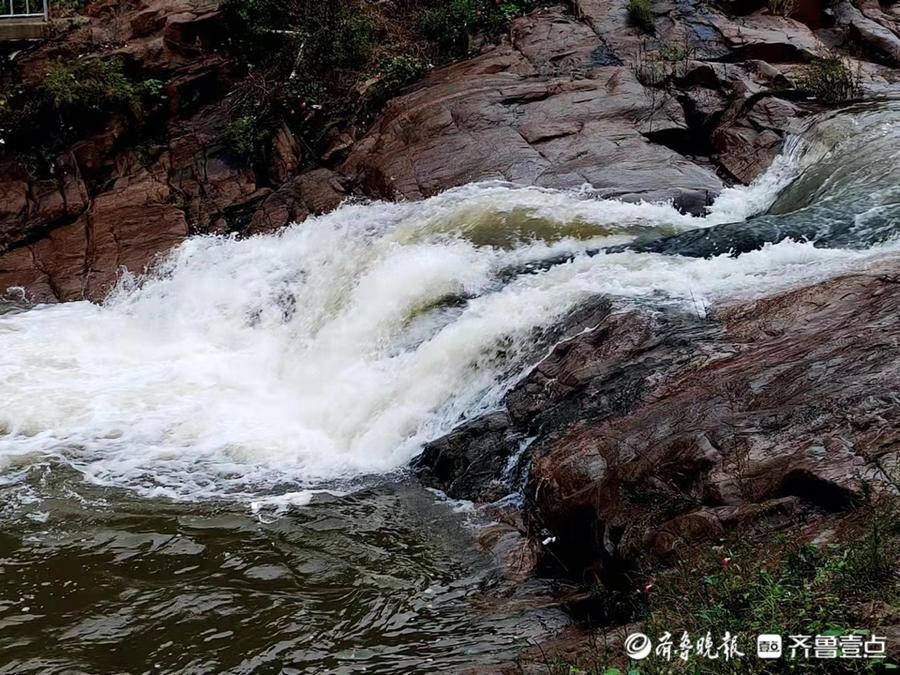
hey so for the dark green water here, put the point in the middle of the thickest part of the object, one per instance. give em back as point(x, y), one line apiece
point(387, 580)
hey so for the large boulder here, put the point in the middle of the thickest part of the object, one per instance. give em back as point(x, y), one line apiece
point(545, 110)
point(767, 37)
point(879, 37)
point(471, 462)
point(658, 431)
point(126, 228)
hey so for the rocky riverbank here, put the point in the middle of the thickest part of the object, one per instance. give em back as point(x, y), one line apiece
point(650, 432)
point(651, 435)
point(571, 96)
point(652, 442)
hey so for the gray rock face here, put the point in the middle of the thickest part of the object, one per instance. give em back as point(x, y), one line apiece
point(478, 461)
point(470, 462)
point(880, 39)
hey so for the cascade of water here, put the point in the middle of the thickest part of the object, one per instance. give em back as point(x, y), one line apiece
point(338, 347)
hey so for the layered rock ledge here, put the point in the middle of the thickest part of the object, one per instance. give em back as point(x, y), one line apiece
point(570, 98)
point(657, 431)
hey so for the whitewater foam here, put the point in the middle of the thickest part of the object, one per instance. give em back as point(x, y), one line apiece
point(335, 349)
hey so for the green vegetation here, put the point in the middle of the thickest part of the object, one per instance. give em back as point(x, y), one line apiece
point(303, 36)
point(322, 64)
point(397, 72)
point(451, 25)
point(792, 589)
point(64, 8)
point(300, 53)
point(96, 85)
point(246, 137)
point(311, 65)
point(640, 15)
point(768, 586)
point(72, 98)
point(831, 79)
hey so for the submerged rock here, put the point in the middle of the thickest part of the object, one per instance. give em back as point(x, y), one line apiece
point(841, 195)
point(470, 462)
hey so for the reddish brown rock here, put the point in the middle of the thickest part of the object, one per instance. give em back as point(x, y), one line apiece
point(542, 125)
point(609, 21)
point(22, 278)
point(195, 29)
point(126, 228)
point(29, 207)
point(286, 156)
point(751, 133)
point(129, 228)
point(744, 151)
point(14, 208)
point(771, 407)
point(312, 193)
point(146, 22)
point(655, 432)
point(809, 12)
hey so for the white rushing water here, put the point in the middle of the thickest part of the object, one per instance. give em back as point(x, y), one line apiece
point(265, 366)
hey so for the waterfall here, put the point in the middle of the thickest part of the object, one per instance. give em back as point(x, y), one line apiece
point(334, 349)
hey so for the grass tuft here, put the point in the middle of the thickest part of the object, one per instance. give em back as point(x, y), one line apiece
point(831, 79)
point(640, 15)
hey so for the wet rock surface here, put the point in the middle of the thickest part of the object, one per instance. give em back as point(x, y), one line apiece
point(551, 115)
point(645, 431)
point(658, 431)
point(471, 462)
point(573, 96)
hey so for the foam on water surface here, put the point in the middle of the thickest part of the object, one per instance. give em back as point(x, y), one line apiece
point(335, 349)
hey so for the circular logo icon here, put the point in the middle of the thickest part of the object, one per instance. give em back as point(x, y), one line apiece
point(637, 646)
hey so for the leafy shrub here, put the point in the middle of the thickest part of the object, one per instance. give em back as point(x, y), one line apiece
point(357, 33)
point(831, 79)
point(152, 88)
point(397, 72)
point(640, 15)
point(311, 60)
point(306, 36)
point(783, 588)
point(91, 85)
point(451, 25)
point(73, 98)
point(245, 136)
point(302, 55)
